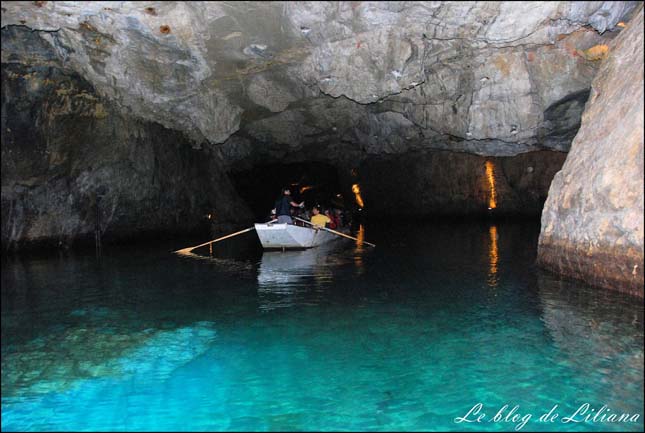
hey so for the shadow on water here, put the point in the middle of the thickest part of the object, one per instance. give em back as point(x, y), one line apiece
point(405, 336)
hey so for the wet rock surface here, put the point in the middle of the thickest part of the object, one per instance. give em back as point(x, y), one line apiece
point(592, 223)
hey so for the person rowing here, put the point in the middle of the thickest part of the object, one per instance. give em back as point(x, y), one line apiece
point(283, 207)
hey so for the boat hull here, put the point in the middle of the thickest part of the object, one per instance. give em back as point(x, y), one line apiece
point(291, 237)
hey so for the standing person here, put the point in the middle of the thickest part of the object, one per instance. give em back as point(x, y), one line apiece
point(283, 207)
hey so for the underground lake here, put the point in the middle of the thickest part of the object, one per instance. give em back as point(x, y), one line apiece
point(409, 335)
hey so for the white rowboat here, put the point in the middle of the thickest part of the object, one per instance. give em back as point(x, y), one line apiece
point(285, 236)
point(289, 236)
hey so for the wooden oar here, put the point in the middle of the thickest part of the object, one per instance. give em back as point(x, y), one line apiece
point(187, 250)
point(335, 232)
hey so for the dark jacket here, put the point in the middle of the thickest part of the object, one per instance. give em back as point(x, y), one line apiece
point(283, 206)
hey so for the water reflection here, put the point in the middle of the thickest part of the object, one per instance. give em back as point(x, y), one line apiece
point(283, 271)
point(358, 251)
point(597, 331)
point(493, 257)
point(285, 278)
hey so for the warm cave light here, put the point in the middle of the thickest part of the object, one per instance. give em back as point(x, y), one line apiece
point(306, 188)
point(356, 189)
point(490, 175)
point(492, 257)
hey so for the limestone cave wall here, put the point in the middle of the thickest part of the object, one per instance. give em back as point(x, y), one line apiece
point(592, 223)
point(72, 163)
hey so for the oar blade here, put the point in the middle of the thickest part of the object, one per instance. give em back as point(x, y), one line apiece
point(189, 249)
point(183, 251)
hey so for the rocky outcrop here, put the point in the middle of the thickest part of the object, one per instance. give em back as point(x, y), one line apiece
point(592, 223)
point(449, 183)
point(71, 163)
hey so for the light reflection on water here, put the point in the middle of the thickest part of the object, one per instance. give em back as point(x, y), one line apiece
point(405, 336)
point(286, 278)
point(493, 256)
point(359, 250)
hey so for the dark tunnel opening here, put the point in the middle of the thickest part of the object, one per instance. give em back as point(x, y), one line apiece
point(415, 186)
point(315, 183)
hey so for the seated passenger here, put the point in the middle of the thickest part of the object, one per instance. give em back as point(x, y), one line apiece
point(340, 220)
point(318, 218)
point(332, 219)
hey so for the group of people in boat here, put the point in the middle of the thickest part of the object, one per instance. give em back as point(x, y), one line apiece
point(286, 209)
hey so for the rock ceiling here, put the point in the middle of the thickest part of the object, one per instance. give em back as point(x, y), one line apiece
point(274, 78)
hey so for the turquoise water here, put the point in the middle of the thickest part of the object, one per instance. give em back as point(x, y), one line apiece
point(408, 336)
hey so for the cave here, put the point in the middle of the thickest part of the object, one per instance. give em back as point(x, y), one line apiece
point(452, 130)
point(464, 179)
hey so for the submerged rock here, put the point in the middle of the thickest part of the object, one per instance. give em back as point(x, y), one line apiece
point(592, 223)
point(100, 344)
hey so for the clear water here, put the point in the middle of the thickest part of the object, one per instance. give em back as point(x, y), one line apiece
point(408, 336)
